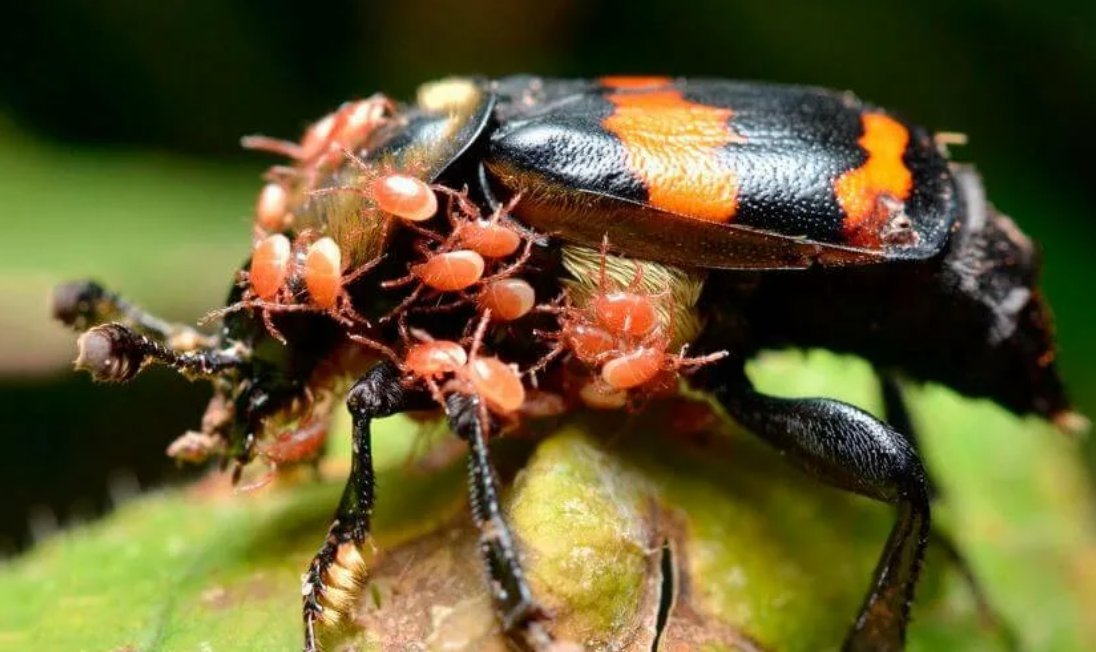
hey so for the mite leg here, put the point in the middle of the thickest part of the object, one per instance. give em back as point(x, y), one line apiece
point(846, 447)
point(84, 304)
point(329, 585)
point(518, 613)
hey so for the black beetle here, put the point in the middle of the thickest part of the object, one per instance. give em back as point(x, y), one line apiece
point(730, 216)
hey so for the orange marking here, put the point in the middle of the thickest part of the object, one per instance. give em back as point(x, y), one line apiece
point(630, 82)
point(862, 193)
point(673, 145)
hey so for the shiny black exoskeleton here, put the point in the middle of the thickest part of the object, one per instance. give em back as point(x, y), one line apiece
point(813, 220)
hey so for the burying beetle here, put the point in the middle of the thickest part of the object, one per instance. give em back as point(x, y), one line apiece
point(580, 234)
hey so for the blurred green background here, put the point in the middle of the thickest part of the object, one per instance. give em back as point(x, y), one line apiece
point(119, 124)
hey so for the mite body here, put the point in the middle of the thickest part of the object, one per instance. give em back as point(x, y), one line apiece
point(656, 215)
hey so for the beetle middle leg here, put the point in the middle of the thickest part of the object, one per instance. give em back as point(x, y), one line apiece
point(518, 613)
point(846, 447)
point(329, 585)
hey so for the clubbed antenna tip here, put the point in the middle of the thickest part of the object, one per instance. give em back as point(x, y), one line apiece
point(73, 302)
point(108, 353)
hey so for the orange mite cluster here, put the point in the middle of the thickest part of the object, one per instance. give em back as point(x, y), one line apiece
point(470, 262)
point(309, 273)
point(466, 261)
point(446, 365)
point(302, 275)
point(620, 332)
point(322, 147)
point(320, 265)
point(620, 337)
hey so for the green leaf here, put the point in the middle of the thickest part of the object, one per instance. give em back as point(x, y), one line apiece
point(758, 552)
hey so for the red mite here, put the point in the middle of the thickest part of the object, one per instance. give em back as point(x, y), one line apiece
point(323, 273)
point(472, 258)
point(325, 141)
point(405, 197)
point(271, 266)
point(276, 268)
point(451, 271)
point(771, 216)
point(508, 299)
point(498, 384)
point(272, 208)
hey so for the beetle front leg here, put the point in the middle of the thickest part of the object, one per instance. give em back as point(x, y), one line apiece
point(518, 612)
point(846, 447)
point(330, 585)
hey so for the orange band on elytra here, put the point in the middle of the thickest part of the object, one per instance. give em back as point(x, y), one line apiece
point(884, 175)
point(673, 146)
point(634, 82)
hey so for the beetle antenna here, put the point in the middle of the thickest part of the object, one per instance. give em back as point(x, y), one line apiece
point(85, 304)
point(117, 353)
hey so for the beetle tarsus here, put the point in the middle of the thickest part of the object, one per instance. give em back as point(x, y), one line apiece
point(326, 594)
point(846, 447)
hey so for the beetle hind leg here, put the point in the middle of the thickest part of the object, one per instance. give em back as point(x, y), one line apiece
point(898, 416)
point(846, 447)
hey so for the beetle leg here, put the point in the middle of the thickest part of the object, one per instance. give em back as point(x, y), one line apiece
point(85, 304)
point(329, 585)
point(846, 447)
point(485, 189)
point(894, 406)
point(898, 416)
point(518, 612)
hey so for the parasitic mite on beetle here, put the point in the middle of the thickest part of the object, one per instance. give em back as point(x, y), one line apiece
point(589, 233)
